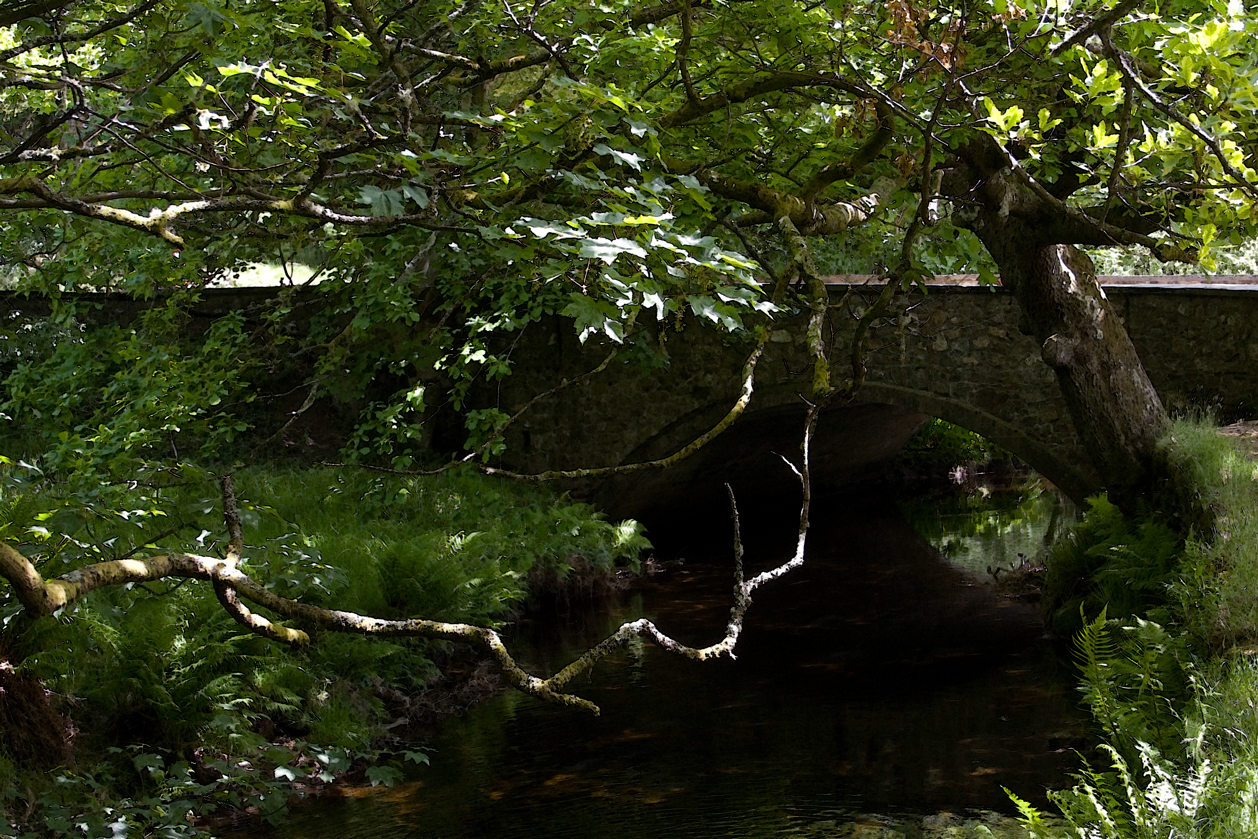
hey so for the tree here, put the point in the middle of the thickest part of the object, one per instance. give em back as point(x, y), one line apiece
point(498, 163)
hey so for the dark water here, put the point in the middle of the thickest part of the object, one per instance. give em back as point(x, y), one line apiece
point(879, 679)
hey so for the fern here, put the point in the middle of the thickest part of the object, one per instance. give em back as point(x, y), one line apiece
point(1095, 654)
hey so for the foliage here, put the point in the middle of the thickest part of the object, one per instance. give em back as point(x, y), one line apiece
point(457, 173)
point(444, 546)
point(453, 173)
point(1229, 258)
point(115, 402)
point(1134, 679)
point(162, 669)
point(1174, 699)
point(1221, 574)
point(940, 443)
point(1109, 564)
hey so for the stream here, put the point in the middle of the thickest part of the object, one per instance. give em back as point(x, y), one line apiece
point(886, 689)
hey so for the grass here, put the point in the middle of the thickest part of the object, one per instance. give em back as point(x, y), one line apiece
point(1167, 650)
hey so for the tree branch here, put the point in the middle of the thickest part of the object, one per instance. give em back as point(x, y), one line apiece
point(866, 154)
point(159, 221)
point(740, 405)
point(758, 85)
point(42, 598)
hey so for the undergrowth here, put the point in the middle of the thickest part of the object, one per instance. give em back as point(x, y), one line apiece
point(1166, 643)
point(180, 711)
point(940, 443)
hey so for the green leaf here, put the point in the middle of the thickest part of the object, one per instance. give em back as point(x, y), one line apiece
point(211, 21)
point(386, 775)
point(594, 317)
point(625, 158)
point(710, 309)
point(383, 202)
point(417, 194)
point(608, 249)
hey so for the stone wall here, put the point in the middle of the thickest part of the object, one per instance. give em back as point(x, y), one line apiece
point(958, 355)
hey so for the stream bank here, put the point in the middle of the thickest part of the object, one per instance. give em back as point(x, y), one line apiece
point(884, 692)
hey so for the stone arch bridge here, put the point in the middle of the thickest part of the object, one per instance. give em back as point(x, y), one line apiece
point(959, 356)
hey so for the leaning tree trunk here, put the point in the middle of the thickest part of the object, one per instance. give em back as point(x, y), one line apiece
point(1115, 408)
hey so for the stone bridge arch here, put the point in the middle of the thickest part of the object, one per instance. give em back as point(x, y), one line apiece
point(959, 355)
point(852, 444)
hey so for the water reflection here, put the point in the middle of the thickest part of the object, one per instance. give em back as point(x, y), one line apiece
point(880, 679)
point(994, 529)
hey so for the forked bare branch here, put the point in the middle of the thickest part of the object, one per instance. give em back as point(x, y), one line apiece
point(42, 598)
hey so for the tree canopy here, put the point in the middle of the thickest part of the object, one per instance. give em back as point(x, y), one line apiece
point(484, 165)
point(616, 162)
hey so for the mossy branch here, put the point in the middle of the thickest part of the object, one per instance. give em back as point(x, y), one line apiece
point(224, 591)
point(818, 301)
point(739, 406)
point(42, 598)
point(160, 221)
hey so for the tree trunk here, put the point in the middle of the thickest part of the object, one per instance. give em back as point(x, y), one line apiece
point(1113, 404)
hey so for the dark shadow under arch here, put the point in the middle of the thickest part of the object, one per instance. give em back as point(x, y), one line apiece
point(853, 445)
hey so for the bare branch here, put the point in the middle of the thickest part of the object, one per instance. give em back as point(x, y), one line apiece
point(159, 221)
point(743, 588)
point(15, 11)
point(683, 53)
point(42, 598)
point(812, 218)
point(406, 88)
point(1120, 151)
point(756, 86)
point(740, 405)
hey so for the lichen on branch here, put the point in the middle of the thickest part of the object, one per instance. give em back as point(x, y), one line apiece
point(43, 598)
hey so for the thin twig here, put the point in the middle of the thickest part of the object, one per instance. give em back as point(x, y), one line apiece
point(740, 405)
point(42, 598)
